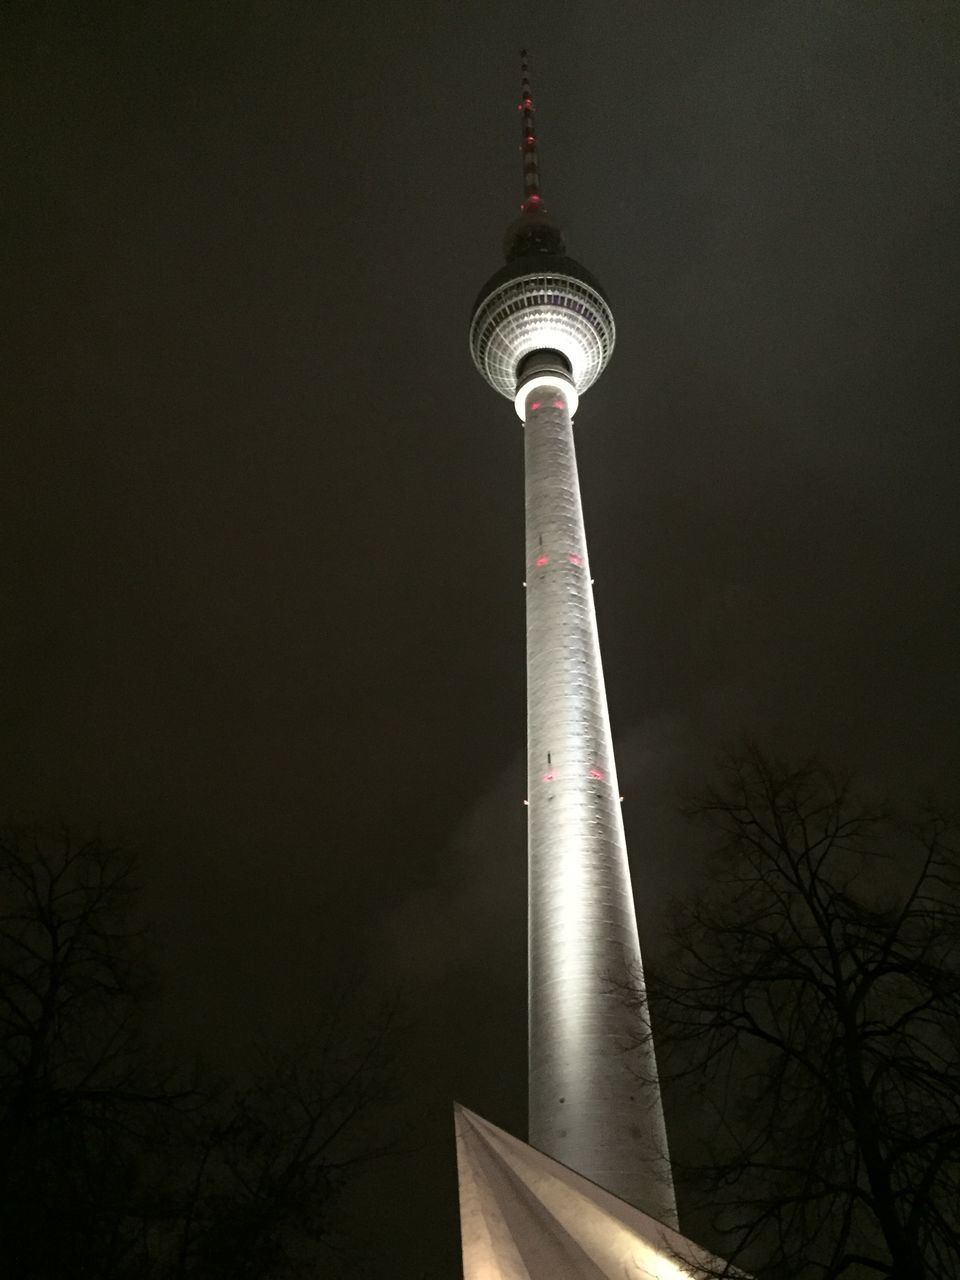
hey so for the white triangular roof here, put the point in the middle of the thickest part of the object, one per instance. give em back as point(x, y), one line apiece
point(524, 1216)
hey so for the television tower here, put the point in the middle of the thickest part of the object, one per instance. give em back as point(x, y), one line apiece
point(542, 333)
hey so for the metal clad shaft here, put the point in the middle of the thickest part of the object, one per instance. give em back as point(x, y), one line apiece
point(587, 1107)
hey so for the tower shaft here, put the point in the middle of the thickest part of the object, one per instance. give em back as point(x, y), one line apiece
point(594, 1103)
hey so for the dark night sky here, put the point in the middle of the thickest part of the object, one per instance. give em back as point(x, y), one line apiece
point(262, 522)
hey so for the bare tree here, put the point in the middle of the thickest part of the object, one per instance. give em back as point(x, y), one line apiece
point(115, 1163)
point(74, 1082)
point(810, 1013)
point(271, 1159)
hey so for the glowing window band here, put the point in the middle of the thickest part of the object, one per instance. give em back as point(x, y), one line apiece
point(545, 380)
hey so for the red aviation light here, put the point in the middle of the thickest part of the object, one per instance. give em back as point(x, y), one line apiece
point(575, 559)
point(558, 404)
point(542, 560)
point(533, 200)
point(530, 139)
point(549, 776)
point(535, 405)
point(597, 774)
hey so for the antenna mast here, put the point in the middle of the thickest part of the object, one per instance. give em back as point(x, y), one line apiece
point(532, 197)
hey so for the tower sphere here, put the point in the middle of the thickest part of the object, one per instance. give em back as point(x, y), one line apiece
point(541, 302)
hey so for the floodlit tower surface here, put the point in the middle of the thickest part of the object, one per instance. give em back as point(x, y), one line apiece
point(542, 333)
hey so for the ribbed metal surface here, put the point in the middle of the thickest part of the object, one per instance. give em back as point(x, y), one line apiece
point(587, 1108)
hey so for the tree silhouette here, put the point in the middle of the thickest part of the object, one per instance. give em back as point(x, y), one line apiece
point(810, 1013)
point(115, 1163)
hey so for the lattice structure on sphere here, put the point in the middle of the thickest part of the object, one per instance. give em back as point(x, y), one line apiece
point(538, 311)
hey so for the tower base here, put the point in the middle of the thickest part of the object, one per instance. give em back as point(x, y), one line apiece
point(524, 1216)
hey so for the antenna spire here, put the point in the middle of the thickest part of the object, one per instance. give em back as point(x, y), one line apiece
point(532, 196)
point(534, 232)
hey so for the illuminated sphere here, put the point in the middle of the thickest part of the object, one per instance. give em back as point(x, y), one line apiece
point(541, 302)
